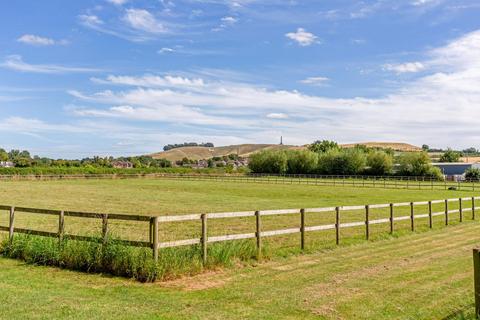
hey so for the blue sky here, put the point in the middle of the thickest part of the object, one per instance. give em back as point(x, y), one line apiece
point(124, 77)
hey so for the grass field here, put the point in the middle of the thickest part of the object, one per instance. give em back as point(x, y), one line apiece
point(159, 197)
point(172, 197)
point(419, 276)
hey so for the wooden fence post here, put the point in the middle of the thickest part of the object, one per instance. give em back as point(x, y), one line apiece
point(367, 222)
point(155, 239)
point(476, 276)
point(473, 208)
point(446, 212)
point(104, 227)
point(258, 225)
point(150, 231)
point(430, 220)
point(460, 209)
point(302, 229)
point(204, 238)
point(11, 224)
point(61, 226)
point(391, 218)
point(412, 217)
point(337, 225)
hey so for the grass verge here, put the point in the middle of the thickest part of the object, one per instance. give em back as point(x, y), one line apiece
point(120, 260)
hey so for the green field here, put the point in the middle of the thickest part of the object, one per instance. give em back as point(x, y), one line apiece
point(426, 274)
point(171, 197)
point(419, 276)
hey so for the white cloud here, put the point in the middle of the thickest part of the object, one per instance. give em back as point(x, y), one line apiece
point(36, 40)
point(15, 62)
point(302, 37)
point(90, 21)
point(408, 67)
point(229, 20)
point(315, 81)
point(143, 20)
point(117, 2)
point(277, 116)
point(166, 50)
point(439, 107)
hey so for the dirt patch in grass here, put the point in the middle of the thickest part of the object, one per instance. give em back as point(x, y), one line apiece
point(207, 280)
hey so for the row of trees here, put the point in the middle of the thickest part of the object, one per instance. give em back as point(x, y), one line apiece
point(326, 157)
point(187, 144)
point(23, 159)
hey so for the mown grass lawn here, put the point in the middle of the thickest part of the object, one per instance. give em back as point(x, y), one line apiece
point(424, 275)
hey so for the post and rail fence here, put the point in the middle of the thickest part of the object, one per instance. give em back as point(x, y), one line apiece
point(154, 223)
point(386, 182)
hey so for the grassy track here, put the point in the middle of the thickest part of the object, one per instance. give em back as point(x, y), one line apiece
point(424, 275)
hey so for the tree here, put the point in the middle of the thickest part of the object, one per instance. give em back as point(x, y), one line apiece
point(3, 155)
point(342, 162)
point(470, 150)
point(379, 163)
point(450, 156)
point(414, 163)
point(323, 146)
point(301, 162)
point(268, 162)
point(425, 147)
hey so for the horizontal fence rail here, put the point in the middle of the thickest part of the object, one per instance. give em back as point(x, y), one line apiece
point(387, 182)
point(154, 223)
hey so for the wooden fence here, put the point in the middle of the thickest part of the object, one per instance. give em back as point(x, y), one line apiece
point(155, 222)
point(476, 277)
point(386, 182)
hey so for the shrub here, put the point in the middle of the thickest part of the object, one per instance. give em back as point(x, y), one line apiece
point(472, 174)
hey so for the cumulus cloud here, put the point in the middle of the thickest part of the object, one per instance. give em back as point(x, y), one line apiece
point(302, 37)
point(421, 111)
point(34, 40)
point(408, 67)
point(229, 20)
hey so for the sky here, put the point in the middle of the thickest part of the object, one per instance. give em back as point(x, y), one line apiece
point(126, 77)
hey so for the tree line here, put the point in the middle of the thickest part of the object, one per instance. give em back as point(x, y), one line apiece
point(328, 158)
point(23, 159)
point(187, 144)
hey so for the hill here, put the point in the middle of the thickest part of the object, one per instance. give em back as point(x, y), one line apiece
point(397, 146)
point(197, 153)
point(245, 150)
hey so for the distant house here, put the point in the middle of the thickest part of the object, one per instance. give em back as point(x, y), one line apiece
point(455, 170)
point(122, 164)
point(6, 164)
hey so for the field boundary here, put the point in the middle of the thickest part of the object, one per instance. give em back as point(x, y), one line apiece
point(155, 221)
point(386, 182)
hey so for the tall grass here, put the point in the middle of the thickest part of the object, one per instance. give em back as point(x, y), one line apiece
point(120, 260)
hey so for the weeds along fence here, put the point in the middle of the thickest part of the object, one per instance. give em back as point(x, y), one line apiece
point(386, 182)
point(362, 218)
